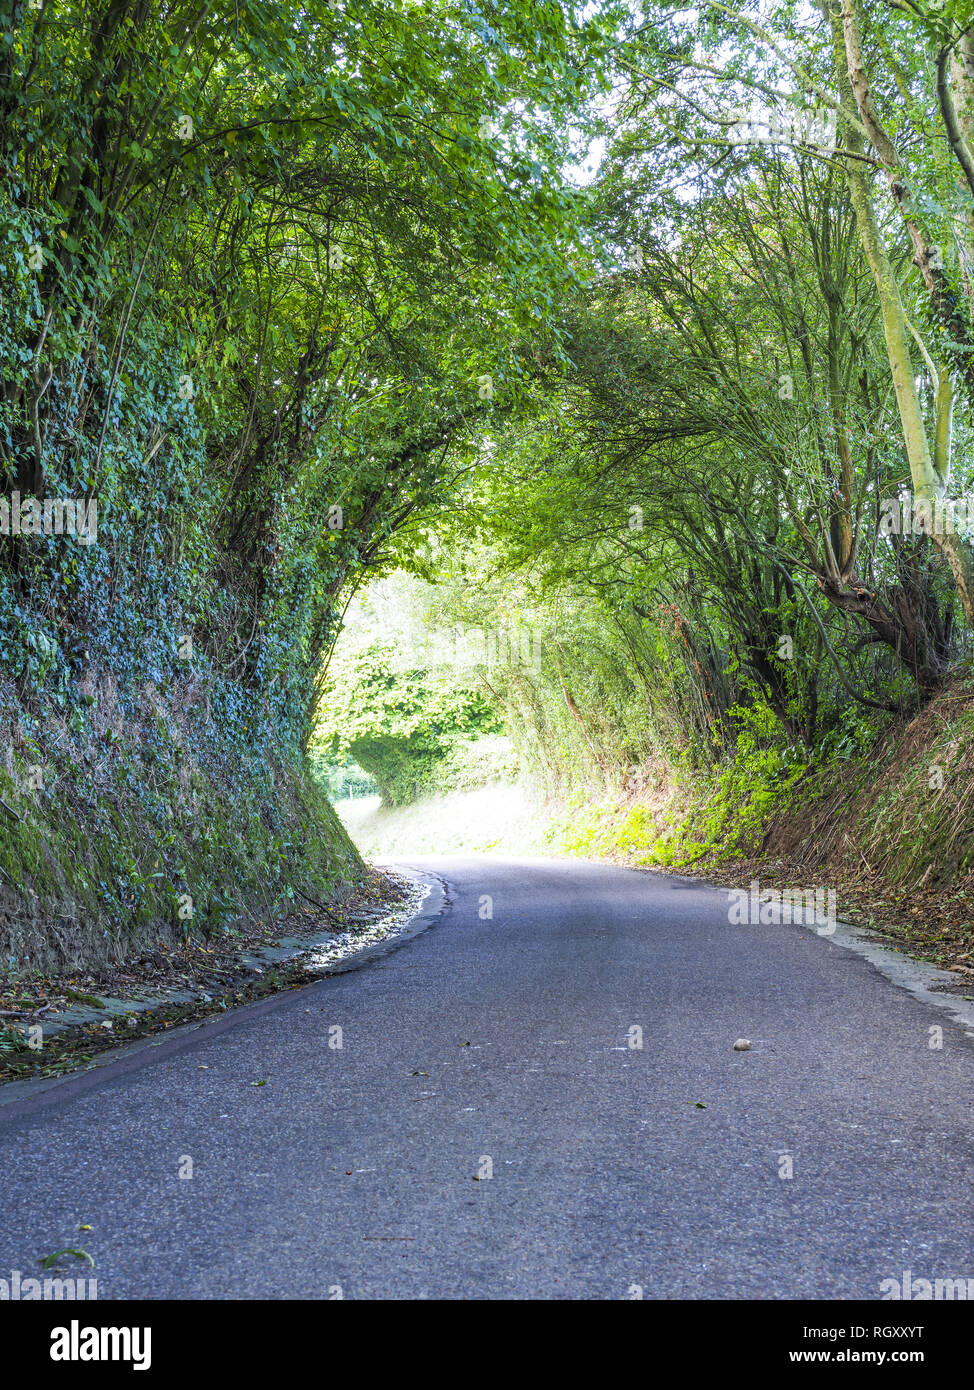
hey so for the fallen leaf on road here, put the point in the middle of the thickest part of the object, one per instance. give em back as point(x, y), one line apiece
point(48, 1260)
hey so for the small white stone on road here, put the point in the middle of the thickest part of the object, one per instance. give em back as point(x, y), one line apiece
point(742, 1045)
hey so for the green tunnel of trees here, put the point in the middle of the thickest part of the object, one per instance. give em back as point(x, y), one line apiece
point(623, 326)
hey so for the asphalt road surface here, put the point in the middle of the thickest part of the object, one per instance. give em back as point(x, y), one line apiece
point(487, 1131)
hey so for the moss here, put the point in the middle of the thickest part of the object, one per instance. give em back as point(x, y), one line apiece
point(91, 1000)
point(131, 843)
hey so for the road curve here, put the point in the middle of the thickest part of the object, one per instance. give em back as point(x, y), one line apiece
point(487, 1131)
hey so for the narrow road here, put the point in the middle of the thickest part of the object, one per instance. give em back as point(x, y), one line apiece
point(487, 1131)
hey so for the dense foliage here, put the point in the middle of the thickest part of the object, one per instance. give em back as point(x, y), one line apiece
point(726, 507)
point(264, 270)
